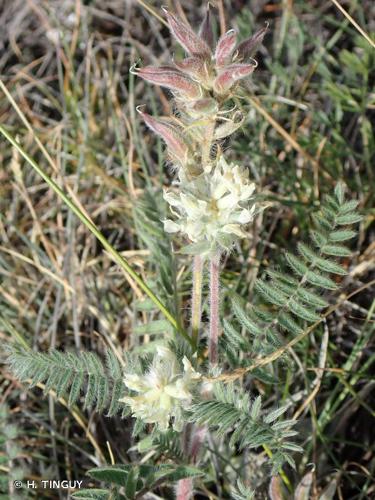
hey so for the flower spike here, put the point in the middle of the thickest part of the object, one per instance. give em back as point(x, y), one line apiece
point(163, 392)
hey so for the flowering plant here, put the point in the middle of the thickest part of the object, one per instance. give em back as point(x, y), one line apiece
point(196, 395)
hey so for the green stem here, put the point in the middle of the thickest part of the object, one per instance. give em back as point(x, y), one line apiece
point(95, 231)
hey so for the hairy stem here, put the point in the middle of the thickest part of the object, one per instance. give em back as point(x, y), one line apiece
point(184, 490)
point(196, 300)
point(214, 310)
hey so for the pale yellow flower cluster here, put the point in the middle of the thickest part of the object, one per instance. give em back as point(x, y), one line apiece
point(163, 392)
point(212, 209)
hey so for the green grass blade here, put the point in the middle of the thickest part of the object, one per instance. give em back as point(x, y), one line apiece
point(95, 231)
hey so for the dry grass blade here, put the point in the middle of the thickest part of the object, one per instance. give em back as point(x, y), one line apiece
point(354, 23)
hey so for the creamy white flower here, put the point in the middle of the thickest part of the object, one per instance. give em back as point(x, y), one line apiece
point(231, 179)
point(163, 392)
point(214, 207)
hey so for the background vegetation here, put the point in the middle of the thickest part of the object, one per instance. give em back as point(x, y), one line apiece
point(310, 111)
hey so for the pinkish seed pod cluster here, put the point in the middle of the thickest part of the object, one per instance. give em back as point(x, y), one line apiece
point(214, 70)
point(204, 70)
point(203, 84)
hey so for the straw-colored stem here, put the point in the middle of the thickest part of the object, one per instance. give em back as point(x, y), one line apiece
point(214, 310)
